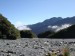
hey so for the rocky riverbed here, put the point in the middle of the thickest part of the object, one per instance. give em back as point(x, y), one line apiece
point(35, 46)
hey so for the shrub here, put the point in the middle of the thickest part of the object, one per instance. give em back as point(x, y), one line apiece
point(66, 51)
point(27, 34)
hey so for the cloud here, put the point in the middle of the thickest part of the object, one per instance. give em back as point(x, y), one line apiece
point(20, 26)
point(63, 26)
point(57, 28)
point(18, 23)
point(24, 27)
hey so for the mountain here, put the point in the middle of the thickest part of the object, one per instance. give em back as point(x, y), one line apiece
point(65, 33)
point(68, 20)
point(43, 26)
point(55, 21)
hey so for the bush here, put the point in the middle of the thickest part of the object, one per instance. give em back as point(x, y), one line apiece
point(66, 52)
point(27, 34)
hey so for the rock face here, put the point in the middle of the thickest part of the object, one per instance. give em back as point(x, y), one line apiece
point(35, 46)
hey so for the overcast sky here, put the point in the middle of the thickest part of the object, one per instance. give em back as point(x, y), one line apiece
point(24, 12)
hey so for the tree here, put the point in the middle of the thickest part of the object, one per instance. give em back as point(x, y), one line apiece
point(45, 34)
point(65, 33)
point(7, 30)
point(27, 34)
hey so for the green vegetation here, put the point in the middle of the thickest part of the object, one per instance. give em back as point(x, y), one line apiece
point(65, 33)
point(66, 54)
point(66, 51)
point(7, 30)
point(62, 34)
point(45, 34)
point(27, 34)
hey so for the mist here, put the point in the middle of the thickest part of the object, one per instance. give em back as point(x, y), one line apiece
point(56, 28)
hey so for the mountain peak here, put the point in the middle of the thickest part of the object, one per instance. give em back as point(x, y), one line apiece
point(53, 19)
point(58, 21)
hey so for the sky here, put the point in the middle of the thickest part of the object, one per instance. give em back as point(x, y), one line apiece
point(24, 12)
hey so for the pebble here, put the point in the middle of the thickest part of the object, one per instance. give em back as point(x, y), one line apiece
point(20, 47)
